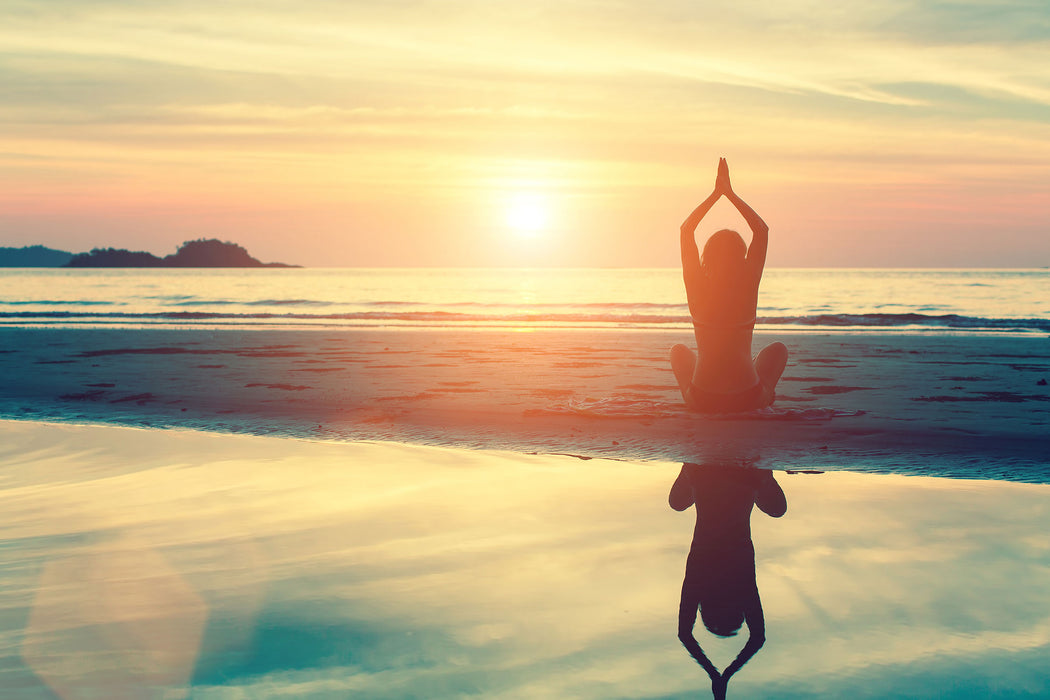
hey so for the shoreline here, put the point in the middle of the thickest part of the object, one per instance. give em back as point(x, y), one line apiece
point(917, 331)
point(964, 407)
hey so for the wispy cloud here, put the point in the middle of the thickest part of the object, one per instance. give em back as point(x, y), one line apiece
point(620, 93)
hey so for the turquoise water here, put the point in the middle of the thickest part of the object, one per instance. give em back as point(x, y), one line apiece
point(914, 301)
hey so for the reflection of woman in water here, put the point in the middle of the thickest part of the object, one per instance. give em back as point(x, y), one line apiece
point(720, 570)
point(722, 288)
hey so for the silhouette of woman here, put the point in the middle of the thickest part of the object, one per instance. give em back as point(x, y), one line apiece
point(720, 570)
point(722, 288)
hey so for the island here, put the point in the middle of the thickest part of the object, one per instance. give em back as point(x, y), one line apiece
point(200, 253)
point(33, 256)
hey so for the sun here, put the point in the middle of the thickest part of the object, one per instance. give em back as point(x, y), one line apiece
point(527, 213)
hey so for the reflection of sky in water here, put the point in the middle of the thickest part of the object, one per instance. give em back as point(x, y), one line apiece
point(383, 571)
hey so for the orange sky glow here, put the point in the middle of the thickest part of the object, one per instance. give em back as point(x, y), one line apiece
point(908, 134)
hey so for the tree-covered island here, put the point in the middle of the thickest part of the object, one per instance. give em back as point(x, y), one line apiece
point(200, 253)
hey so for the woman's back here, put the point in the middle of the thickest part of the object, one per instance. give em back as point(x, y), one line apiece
point(722, 289)
point(724, 323)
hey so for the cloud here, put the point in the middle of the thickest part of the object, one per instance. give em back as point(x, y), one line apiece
point(611, 96)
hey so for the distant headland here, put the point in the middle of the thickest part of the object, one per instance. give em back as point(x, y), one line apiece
point(199, 253)
point(33, 256)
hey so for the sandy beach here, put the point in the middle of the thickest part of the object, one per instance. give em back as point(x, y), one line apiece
point(147, 564)
point(484, 513)
point(974, 406)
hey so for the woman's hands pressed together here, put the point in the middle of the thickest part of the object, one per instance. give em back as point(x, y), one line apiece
point(722, 184)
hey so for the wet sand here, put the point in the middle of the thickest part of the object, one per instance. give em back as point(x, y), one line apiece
point(960, 405)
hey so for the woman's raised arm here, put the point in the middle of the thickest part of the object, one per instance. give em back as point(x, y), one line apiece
point(756, 252)
point(690, 251)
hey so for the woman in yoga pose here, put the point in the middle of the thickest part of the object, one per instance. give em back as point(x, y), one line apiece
point(722, 288)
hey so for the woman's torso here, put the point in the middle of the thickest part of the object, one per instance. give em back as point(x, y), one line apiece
point(724, 498)
point(724, 324)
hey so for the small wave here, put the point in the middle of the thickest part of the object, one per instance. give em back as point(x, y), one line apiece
point(288, 302)
point(910, 319)
point(613, 306)
point(257, 302)
point(605, 317)
point(61, 302)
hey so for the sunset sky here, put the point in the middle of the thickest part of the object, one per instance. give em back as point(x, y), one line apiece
point(570, 133)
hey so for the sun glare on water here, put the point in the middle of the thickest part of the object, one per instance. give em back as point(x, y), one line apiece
point(527, 213)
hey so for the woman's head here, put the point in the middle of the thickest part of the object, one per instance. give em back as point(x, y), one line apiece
point(725, 588)
point(722, 610)
point(724, 622)
point(724, 252)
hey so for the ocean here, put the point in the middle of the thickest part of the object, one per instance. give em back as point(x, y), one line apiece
point(928, 301)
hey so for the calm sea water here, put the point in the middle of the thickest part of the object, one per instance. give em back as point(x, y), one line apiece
point(913, 301)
